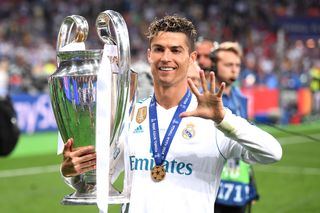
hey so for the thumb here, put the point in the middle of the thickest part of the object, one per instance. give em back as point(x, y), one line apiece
point(68, 146)
point(187, 114)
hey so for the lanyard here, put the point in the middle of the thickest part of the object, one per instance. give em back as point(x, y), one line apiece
point(160, 151)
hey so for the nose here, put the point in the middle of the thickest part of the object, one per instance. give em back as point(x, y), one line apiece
point(166, 55)
point(235, 68)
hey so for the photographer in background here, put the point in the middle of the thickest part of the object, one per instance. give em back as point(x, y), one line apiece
point(236, 175)
point(9, 131)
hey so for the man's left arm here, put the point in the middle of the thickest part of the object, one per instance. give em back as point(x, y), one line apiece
point(253, 144)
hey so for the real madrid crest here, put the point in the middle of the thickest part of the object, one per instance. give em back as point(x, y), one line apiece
point(141, 114)
point(188, 132)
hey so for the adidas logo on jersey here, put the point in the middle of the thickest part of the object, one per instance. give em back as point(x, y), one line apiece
point(138, 129)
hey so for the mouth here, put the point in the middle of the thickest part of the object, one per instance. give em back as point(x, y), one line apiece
point(232, 79)
point(167, 69)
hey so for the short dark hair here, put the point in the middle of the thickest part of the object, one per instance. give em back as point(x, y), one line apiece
point(173, 24)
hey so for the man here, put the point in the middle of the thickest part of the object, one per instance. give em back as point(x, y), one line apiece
point(182, 173)
point(203, 48)
point(9, 130)
point(236, 189)
point(194, 74)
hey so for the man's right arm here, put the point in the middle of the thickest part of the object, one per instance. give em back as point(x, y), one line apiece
point(77, 161)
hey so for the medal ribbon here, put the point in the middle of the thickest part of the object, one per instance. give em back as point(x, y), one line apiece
point(160, 151)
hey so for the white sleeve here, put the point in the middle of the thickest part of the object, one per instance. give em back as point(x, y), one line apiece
point(244, 140)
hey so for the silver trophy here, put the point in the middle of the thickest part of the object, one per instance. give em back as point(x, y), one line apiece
point(73, 92)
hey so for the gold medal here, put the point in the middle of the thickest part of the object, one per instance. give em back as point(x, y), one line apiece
point(158, 173)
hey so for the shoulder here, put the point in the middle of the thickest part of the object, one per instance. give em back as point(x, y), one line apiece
point(144, 101)
point(238, 93)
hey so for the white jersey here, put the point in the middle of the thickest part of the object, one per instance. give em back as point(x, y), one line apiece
point(194, 161)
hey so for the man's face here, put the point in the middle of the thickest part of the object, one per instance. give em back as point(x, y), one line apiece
point(169, 59)
point(203, 51)
point(228, 66)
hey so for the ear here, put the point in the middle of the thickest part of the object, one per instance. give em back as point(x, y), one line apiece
point(148, 55)
point(193, 56)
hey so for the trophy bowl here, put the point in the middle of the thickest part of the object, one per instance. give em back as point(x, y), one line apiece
point(73, 92)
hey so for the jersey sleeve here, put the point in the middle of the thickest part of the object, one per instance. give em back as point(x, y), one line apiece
point(246, 141)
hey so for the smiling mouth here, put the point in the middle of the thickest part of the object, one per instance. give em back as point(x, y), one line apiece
point(166, 68)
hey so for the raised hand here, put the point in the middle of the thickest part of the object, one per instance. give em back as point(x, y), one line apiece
point(77, 161)
point(210, 104)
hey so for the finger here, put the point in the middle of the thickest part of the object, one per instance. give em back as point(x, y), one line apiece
point(85, 167)
point(88, 157)
point(81, 151)
point(89, 163)
point(68, 146)
point(204, 83)
point(212, 82)
point(188, 114)
point(221, 89)
point(86, 164)
point(78, 163)
point(193, 88)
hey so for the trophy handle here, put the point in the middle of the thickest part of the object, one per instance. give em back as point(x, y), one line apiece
point(66, 34)
point(109, 22)
point(121, 40)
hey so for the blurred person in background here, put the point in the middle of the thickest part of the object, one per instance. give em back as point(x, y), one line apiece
point(315, 87)
point(203, 48)
point(248, 76)
point(194, 74)
point(20, 75)
point(145, 81)
point(290, 83)
point(252, 24)
point(9, 131)
point(237, 188)
point(266, 76)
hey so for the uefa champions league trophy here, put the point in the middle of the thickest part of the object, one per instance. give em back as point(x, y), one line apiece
point(73, 92)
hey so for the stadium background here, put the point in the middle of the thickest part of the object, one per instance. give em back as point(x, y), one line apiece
point(281, 44)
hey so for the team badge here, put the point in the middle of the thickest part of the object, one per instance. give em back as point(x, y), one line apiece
point(141, 114)
point(158, 173)
point(188, 132)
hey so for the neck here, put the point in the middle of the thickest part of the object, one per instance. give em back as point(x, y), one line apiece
point(170, 96)
point(227, 90)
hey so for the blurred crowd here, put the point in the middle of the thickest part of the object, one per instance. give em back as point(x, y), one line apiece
point(28, 31)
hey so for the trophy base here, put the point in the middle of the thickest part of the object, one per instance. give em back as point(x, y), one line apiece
point(91, 199)
point(73, 199)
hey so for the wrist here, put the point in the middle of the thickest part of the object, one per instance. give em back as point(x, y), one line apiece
point(220, 116)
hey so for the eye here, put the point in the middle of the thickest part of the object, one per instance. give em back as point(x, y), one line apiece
point(176, 50)
point(228, 65)
point(157, 49)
